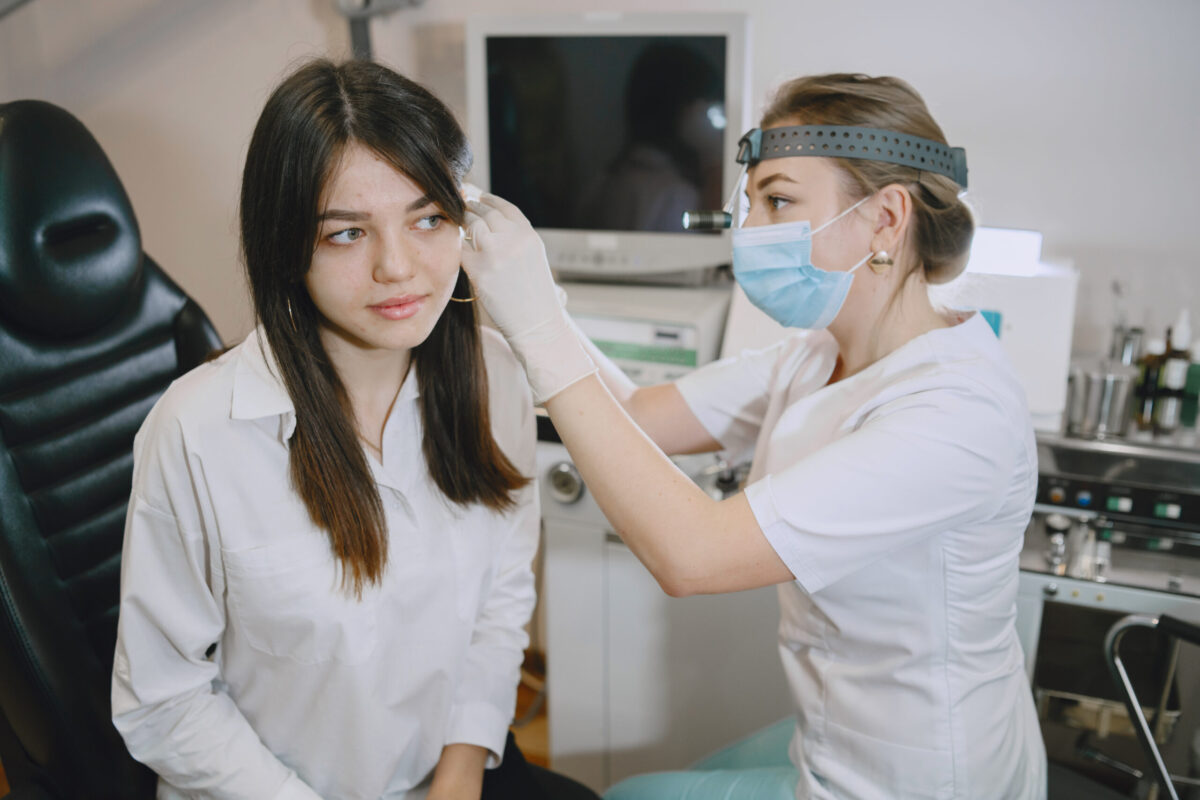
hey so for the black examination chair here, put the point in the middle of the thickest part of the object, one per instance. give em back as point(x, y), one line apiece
point(91, 333)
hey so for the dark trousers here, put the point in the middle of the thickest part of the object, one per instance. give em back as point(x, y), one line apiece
point(517, 779)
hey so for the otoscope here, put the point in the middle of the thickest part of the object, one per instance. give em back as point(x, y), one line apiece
point(719, 220)
point(836, 141)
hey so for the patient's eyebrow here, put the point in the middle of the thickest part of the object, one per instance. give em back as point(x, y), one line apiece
point(420, 202)
point(362, 216)
point(341, 214)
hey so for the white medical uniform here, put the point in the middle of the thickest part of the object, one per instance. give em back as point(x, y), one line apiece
point(899, 498)
point(309, 692)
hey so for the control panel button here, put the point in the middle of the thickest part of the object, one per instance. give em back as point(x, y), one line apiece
point(1122, 505)
point(1057, 495)
point(565, 484)
point(1167, 510)
point(1083, 499)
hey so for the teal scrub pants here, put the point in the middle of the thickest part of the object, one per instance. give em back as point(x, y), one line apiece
point(756, 767)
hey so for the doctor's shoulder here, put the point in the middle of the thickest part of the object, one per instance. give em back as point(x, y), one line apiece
point(794, 350)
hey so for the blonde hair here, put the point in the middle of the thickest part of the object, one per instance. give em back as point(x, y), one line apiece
point(943, 225)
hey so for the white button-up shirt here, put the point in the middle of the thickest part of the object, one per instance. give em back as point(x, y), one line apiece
point(310, 692)
point(899, 499)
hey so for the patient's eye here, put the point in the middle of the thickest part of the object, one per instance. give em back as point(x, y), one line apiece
point(432, 222)
point(347, 236)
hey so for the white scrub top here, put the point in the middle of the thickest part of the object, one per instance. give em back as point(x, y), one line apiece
point(899, 498)
point(310, 693)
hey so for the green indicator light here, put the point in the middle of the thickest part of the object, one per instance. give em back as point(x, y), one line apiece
point(1119, 503)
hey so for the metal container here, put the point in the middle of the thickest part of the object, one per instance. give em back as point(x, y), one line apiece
point(1099, 399)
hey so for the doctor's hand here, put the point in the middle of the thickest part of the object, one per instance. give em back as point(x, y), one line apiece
point(506, 262)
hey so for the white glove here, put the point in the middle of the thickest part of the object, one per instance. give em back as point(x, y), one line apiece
point(506, 262)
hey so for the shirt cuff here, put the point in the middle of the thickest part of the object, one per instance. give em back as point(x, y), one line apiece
point(482, 725)
point(781, 534)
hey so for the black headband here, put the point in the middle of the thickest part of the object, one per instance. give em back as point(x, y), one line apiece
point(844, 141)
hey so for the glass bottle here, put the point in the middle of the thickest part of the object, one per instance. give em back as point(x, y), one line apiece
point(1172, 377)
point(1147, 388)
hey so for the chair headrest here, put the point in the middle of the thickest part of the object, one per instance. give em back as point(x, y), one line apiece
point(70, 250)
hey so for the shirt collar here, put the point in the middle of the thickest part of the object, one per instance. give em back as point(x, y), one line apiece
point(258, 390)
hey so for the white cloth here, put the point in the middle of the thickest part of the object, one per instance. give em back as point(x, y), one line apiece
point(899, 498)
point(311, 693)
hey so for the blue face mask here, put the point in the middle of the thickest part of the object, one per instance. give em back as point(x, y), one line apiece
point(773, 265)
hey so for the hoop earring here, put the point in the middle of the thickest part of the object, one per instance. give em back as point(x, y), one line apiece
point(880, 262)
point(454, 299)
point(291, 316)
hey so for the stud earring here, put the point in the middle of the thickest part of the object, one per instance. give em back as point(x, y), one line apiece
point(881, 261)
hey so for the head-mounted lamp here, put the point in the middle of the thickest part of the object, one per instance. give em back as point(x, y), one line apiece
point(834, 141)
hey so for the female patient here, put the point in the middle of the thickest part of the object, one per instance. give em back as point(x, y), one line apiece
point(326, 563)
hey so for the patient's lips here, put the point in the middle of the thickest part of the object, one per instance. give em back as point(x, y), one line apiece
point(399, 307)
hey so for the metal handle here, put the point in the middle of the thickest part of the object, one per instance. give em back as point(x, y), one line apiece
point(1112, 643)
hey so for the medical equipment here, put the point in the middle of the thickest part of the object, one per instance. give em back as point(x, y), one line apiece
point(603, 128)
point(654, 333)
point(359, 13)
point(837, 141)
point(1116, 530)
point(1100, 399)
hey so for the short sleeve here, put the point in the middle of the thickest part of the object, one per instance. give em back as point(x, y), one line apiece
point(730, 398)
point(919, 465)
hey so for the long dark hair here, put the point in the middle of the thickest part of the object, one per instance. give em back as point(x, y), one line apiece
point(304, 128)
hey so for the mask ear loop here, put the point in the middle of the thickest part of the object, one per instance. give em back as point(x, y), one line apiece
point(844, 213)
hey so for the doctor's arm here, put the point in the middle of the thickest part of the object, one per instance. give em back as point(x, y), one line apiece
point(659, 410)
point(690, 543)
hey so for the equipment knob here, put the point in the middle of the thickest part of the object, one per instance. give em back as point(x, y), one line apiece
point(1057, 524)
point(565, 484)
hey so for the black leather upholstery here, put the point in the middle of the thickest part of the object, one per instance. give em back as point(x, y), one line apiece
point(91, 333)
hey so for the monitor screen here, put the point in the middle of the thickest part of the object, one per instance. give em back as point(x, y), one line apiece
point(607, 133)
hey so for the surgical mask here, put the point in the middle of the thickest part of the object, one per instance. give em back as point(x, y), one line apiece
point(773, 265)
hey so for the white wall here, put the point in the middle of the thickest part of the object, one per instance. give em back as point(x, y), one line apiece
point(1078, 115)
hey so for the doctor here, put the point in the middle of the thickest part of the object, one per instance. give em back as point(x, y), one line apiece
point(894, 462)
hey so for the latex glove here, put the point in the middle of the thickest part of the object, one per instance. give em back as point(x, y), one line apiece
point(506, 262)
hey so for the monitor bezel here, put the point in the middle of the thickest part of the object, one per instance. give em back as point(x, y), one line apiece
point(607, 252)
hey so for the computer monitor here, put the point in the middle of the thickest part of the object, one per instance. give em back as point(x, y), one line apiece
point(604, 128)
